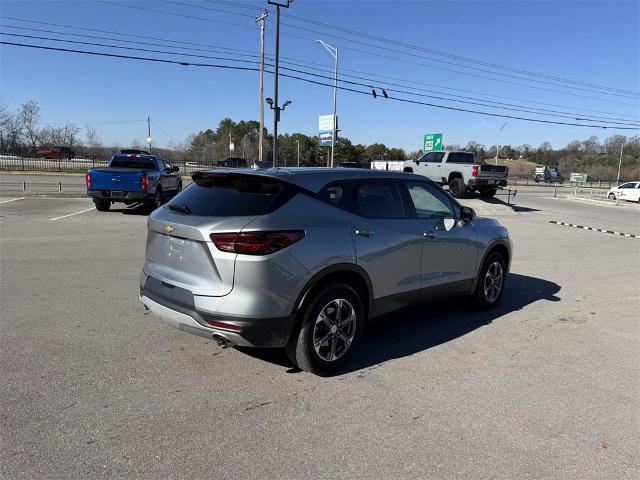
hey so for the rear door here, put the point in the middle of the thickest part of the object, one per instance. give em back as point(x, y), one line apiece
point(386, 243)
point(449, 248)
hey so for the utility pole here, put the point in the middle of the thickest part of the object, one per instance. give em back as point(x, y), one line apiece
point(276, 109)
point(298, 142)
point(149, 133)
point(334, 53)
point(261, 19)
point(620, 164)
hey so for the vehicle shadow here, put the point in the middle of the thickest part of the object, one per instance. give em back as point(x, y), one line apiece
point(134, 209)
point(417, 329)
point(501, 199)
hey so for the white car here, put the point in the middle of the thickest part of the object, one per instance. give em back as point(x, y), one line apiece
point(629, 191)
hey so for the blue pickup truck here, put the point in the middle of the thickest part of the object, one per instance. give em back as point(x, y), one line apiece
point(133, 176)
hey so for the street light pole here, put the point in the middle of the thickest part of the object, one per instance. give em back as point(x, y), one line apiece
point(298, 141)
point(620, 164)
point(499, 129)
point(276, 109)
point(149, 133)
point(261, 19)
point(334, 52)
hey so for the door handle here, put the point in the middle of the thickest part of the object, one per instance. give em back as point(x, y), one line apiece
point(430, 235)
point(364, 233)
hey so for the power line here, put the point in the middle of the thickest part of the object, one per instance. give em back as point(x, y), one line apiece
point(435, 52)
point(121, 122)
point(126, 48)
point(163, 131)
point(235, 67)
point(469, 100)
point(206, 19)
point(292, 61)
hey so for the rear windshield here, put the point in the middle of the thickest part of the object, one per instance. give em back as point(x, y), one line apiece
point(231, 195)
point(138, 163)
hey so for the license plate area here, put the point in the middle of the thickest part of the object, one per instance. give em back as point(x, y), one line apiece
point(117, 194)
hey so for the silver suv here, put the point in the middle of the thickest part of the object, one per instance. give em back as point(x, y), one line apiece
point(303, 258)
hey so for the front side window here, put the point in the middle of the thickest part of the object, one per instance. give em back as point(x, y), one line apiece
point(377, 200)
point(429, 201)
point(428, 157)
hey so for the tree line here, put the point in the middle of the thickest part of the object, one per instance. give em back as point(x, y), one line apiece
point(22, 133)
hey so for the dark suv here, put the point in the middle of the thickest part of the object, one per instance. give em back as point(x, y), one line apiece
point(56, 152)
point(232, 162)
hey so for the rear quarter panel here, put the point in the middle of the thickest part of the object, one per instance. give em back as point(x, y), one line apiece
point(285, 274)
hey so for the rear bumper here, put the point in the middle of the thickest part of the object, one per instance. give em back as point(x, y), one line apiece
point(126, 196)
point(487, 182)
point(176, 308)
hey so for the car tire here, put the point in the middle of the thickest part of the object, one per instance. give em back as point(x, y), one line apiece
point(491, 281)
point(179, 188)
point(611, 196)
point(408, 170)
point(488, 193)
point(321, 345)
point(456, 188)
point(157, 201)
point(102, 205)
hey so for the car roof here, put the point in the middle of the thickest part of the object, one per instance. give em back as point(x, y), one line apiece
point(315, 178)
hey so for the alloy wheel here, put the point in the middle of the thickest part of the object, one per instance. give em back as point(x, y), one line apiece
point(334, 329)
point(493, 282)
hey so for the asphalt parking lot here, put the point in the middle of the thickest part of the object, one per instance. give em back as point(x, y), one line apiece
point(545, 386)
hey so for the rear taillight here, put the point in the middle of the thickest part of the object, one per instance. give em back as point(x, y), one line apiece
point(87, 179)
point(144, 183)
point(255, 243)
point(224, 325)
point(474, 170)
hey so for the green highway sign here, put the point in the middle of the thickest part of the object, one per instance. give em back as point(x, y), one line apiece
point(432, 141)
point(578, 178)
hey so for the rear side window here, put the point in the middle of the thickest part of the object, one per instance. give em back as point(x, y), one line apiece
point(459, 157)
point(232, 196)
point(377, 200)
point(138, 163)
point(336, 194)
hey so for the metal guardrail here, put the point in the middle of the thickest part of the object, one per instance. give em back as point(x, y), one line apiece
point(30, 164)
point(522, 181)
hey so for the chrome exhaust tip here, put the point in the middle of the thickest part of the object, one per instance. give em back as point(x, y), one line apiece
point(222, 341)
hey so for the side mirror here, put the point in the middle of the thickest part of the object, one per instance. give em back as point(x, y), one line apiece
point(467, 214)
point(176, 169)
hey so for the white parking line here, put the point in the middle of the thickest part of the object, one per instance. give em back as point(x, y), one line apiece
point(72, 214)
point(13, 200)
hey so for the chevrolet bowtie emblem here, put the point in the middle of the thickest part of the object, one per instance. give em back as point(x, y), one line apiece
point(169, 228)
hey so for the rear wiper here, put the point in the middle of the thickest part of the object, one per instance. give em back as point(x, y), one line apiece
point(180, 207)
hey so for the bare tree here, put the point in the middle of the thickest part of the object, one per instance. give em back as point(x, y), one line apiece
point(28, 117)
point(9, 131)
point(93, 142)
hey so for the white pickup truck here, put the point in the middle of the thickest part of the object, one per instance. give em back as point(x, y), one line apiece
point(460, 171)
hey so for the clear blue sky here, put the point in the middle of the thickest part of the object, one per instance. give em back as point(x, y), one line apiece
point(588, 41)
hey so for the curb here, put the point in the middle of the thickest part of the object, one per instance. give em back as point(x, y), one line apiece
point(607, 203)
